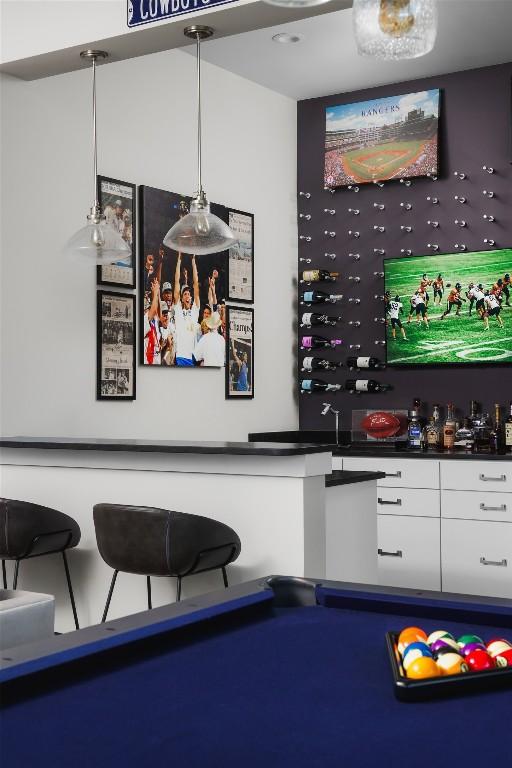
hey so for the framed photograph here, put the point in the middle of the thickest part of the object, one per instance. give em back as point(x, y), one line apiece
point(115, 372)
point(395, 137)
point(182, 299)
point(240, 352)
point(241, 257)
point(117, 201)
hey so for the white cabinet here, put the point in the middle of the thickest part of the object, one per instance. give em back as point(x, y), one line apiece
point(415, 502)
point(487, 476)
point(400, 473)
point(408, 551)
point(477, 505)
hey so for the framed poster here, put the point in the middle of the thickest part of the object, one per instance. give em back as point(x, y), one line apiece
point(117, 201)
point(395, 137)
point(240, 352)
point(115, 371)
point(241, 257)
point(181, 298)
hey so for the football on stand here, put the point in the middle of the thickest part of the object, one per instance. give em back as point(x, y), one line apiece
point(381, 424)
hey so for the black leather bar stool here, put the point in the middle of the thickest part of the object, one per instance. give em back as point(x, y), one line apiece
point(30, 530)
point(160, 542)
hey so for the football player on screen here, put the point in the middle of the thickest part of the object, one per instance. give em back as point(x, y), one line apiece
point(395, 308)
point(492, 309)
point(454, 300)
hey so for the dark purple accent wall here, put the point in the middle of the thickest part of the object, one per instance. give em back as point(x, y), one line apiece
point(475, 130)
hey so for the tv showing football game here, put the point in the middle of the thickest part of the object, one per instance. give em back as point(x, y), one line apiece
point(395, 137)
point(451, 309)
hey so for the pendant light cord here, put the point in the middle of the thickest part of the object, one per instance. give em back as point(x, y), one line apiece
point(94, 141)
point(199, 182)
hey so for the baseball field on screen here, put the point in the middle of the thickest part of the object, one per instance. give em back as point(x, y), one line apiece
point(456, 339)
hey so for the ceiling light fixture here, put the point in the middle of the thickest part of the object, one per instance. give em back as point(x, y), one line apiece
point(97, 242)
point(199, 232)
point(287, 37)
point(395, 29)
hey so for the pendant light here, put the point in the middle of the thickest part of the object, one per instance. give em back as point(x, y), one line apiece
point(296, 3)
point(395, 29)
point(200, 231)
point(97, 242)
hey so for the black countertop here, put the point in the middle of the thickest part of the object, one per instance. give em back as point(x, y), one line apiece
point(344, 477)
point(164, 446)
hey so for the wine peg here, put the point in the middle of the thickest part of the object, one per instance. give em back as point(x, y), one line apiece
point(331, 256)
point(352, 300)
point(432, 175)
point(433, 246)
point(380, 251)
point(330, 211)
point(353, 187)
point(406, 182)
point(379, 319)
point(379, 206)
point(355, 323)
point(459, 199)
point(354, 211)
point(489, 217)
point(306, 238)
point(329, 234)
point(305, 216)
point(332, 190)
point(379, 296)
point(380, 342)
point(406, 206)
point(406, 251)
point(379, 229)
point(488, 193)
point(405, 228)
point(489, 241)
point(378, 183)
point(355, 278)
point(354, 346)
point(434, 224)
point(460, 175)
point(306, 261)
point(378, 274)
point(433, 200)
point(460, 247)
point(307, 195)
point(487, 168)
point(355, 256)
point(460, 223)
point(353, 233)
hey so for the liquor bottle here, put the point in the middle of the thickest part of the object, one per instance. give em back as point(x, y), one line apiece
point(497, 436)
point(508, 432)
point(464, 436)
point(449, 429)
point(319, 364)
point(482, 430)
point(432, 434)
point(314, 318)
point(364, 362)
point(307, 386)
point(474, 410)
point(319, 297)
point(316, 342)
point(365, 385)
point(414, 431)
point(436, 413)
point(319, 276)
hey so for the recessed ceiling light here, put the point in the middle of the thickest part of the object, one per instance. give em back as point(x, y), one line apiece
point(287, 37)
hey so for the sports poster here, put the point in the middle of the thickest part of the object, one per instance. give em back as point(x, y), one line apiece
point(241, 257)
point(117, 201)
point(115, 376)
point(240, 353)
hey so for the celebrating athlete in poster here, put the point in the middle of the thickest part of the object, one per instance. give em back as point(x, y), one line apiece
point(240, 353)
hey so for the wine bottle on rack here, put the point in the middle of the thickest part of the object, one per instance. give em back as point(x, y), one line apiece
point(320, 297)
point(316, 342)
point(319, 276)
point(314, 318)
point(364, 362)
point(318, 364)
point(365, 385)
point(307, 386)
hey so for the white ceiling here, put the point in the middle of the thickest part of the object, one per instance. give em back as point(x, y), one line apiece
point(472, 33)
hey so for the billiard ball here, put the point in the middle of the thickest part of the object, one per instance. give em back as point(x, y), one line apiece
point(446, 649)
point(437, 635)
point(465, 639)
point(422, 668)
point(444, 642)
point(504, 659)
point(497, 646)
point(410, 635)
point(451, 664)
point(470, 647)
point(415, 651)
point(478, 661)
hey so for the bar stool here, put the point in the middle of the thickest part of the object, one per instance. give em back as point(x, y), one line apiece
point(29, 530)
point(160, 542)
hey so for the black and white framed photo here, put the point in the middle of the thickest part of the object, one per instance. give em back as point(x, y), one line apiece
point(241, 257)
point(239, 352)
point(115, 372)
point(118, 200)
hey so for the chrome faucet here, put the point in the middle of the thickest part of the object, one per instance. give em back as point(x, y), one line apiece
point(328, 407)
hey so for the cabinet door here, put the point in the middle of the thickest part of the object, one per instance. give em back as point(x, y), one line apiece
point(400, 473)
point(477, 557)
point(414, 502)
point(487, 476)
point(477, 505)
point(409, 551)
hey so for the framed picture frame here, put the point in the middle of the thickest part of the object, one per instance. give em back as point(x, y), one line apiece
point(118, 202)
point(239, 353)
point(115, 340)
point(241, 257)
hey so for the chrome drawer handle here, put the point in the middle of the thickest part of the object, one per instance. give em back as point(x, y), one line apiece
point(393, 474)
point(500, 563)
point(500, 479)
point(382, 553)
point(501, 508)
point(398, 502)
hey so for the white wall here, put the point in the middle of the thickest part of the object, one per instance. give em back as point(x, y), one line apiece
point(146, 116)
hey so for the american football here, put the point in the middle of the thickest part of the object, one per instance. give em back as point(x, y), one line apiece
point(381, 424)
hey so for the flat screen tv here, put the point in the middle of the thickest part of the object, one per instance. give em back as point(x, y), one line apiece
point(456, 309)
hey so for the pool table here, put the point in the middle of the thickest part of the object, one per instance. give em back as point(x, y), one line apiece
point(274, 672)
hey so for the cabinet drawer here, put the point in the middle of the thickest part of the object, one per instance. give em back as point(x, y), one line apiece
point(408, 501)
point(488, 476)
point(477, 557)
point(409, 551)
point(400, 473)
point(477, 505)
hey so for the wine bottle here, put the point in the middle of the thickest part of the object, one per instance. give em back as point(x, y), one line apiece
point(449, 428)
point(318, 364)
point(365, 385)
point(315, 342)
point(364, 362)
point(314, 318)
point(319, 276)
point(508, 432)
point(319, 297)
point(307, 386)
point(497, 432)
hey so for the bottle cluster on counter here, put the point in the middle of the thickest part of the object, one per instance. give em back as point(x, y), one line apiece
point(478, 432)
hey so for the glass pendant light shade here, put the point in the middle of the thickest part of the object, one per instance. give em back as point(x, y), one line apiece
point(296, 3)
point(98, 243)
point(394, 29)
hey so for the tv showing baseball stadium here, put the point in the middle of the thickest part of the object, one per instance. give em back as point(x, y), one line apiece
point(451, 309)
point(381, 139)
